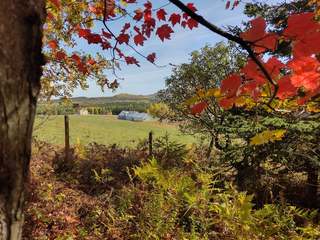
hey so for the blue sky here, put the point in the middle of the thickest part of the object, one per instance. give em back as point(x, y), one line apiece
point(148, 78)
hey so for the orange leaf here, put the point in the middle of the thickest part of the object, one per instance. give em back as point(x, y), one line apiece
point(227, 103)
point(53, 44)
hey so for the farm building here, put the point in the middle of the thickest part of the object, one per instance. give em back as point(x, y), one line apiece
point(83, 111)
point(134, 116)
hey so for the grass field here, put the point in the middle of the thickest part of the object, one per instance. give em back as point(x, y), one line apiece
point(103, 130)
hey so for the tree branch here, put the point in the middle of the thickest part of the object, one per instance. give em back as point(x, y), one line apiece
point(244, 44)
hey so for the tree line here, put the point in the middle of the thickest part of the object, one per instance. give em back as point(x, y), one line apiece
point(113, 108)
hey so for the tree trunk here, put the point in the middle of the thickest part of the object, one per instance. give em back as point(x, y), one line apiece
point(312, 187)
point(20, 70)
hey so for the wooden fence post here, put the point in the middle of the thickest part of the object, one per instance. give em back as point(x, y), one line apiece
point(150, 143)
point(210, 147)
point(66, 138)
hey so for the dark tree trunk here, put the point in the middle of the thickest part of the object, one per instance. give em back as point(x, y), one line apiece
point(20, 70)
point(312, 187)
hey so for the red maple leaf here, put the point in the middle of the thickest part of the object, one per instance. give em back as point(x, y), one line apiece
point(125, 27)
point(228, 4)
point(192, 7)
point(91, 61)
point(286, 89)
point(175, 18)
point(273, 66)
point(164, 32)
point(82, 68)
point(305, 73)
point(235, 4)
point(123, 38)
point(138, 15)
point(84, 32)
point(252, 73)
point(106, 45)
point(199, 108)
point(148, 5)
point(298, 24)
point(94, 38)
point(76, 58)
point(258, 37)
point(151, 57)
point(161, 14)
point(53, 44)
point(60, 55)
point(230, 85)
point(106, 34)
point(131, 60)
point(139, 39)
point(147, 16)
point(307, 45)
point(192, 23)
point(119, 52)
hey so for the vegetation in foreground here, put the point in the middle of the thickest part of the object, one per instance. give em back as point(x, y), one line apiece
point(113, 193)
point(103, 130)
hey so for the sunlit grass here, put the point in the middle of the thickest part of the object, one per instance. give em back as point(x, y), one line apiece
point(103, 130)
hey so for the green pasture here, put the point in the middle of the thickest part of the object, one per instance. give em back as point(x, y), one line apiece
point(102, 129)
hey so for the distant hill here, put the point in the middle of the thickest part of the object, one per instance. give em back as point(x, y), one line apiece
point(119, 98)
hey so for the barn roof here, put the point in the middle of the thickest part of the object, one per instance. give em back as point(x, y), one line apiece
point(134, 116)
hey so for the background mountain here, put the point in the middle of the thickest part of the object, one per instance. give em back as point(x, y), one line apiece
point(119, 98)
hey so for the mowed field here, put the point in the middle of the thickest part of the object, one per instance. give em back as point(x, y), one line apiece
point(103, 129)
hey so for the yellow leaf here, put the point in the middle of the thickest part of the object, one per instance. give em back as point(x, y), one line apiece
point(213, 92)
point(202, 95)
point(313, 107)
point(267, 136)
point(123, 3)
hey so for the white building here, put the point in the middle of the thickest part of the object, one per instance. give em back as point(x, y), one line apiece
point(83, 111)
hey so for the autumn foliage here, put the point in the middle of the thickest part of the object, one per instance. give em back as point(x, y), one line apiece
point(266, 79)
point(296, 79)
